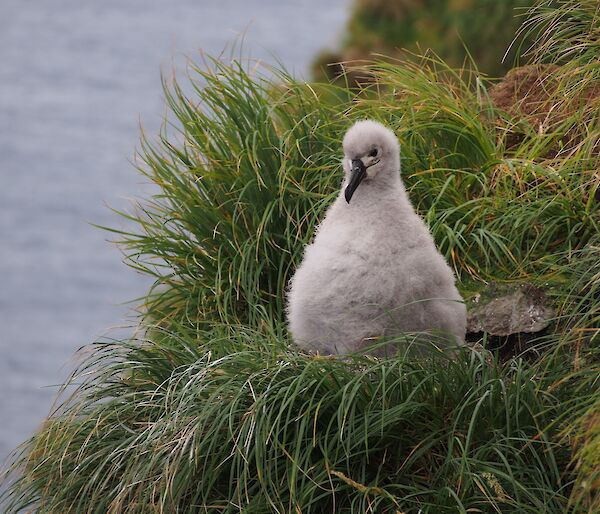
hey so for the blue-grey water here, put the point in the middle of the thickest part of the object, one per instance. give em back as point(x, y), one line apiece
point(76, 78)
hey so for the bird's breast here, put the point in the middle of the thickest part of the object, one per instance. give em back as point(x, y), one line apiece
point(351, 272)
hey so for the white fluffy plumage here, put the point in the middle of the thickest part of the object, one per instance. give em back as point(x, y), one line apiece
point(373, 268)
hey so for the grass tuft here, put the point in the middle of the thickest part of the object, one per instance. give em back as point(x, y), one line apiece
point(180, 423)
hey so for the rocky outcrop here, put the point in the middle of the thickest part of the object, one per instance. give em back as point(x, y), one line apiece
point(505, 310)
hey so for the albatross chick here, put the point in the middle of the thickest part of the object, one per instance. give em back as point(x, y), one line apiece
point(373, 268)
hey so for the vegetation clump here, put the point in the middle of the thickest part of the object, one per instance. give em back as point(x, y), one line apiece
point(212, 409)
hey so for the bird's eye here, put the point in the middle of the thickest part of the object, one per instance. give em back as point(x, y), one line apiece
point(373, 153)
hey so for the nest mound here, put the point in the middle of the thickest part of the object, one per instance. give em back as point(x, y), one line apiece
point(543, 97)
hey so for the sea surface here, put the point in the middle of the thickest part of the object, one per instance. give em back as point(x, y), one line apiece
point(77, 77)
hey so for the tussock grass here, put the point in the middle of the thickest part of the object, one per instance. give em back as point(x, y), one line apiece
point(255, 165)
point(212, 409)
point(240, 422)
point(565, 31)
point(241, 193)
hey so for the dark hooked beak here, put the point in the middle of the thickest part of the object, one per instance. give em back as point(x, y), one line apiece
point(357, 173)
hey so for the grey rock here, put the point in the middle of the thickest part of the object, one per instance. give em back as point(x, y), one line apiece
point(503, 310)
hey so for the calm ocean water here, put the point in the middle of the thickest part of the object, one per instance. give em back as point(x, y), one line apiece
point(76, 78)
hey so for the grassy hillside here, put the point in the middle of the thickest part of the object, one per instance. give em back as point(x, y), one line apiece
point(455, 30)
point(212, 409)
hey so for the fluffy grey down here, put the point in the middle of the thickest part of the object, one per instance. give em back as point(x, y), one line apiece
point(373, 268)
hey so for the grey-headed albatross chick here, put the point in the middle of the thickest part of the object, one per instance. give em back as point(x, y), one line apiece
point(372, 269)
